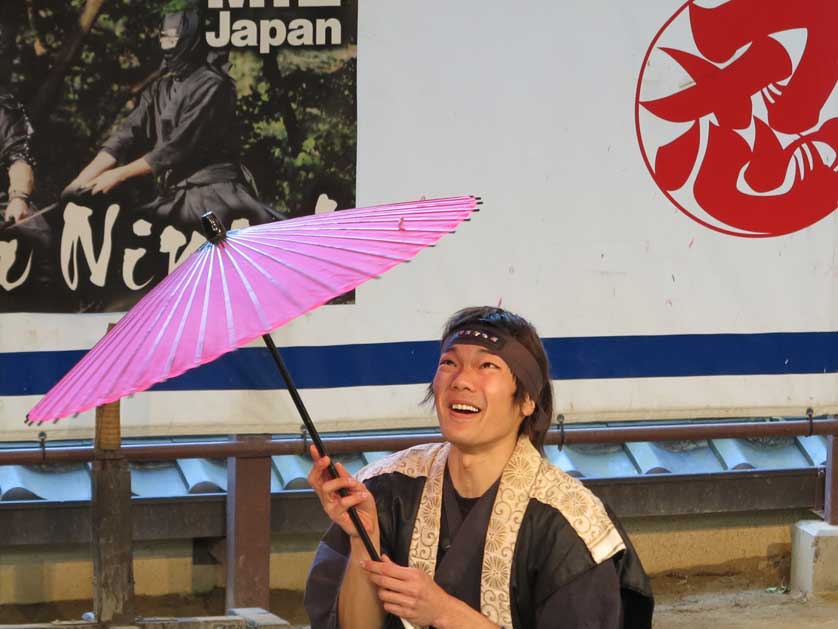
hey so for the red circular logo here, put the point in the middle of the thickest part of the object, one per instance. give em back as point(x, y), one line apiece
point(737, 113)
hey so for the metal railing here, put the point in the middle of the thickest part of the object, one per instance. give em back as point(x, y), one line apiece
point(287, 445)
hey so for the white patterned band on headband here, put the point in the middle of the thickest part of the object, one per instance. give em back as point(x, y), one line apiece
point(520, 360)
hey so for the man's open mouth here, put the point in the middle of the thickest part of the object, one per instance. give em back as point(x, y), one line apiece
point(464, 408)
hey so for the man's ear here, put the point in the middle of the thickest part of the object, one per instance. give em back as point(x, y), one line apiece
point(527, 406)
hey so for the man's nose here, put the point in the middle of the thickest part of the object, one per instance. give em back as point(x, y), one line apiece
point(463, 379)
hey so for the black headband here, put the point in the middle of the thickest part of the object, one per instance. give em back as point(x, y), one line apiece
point(520, 360)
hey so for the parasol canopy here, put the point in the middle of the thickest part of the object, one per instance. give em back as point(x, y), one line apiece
point(239, 286)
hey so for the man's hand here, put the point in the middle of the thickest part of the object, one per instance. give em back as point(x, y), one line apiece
point(337, 506)
point(74, 190)
point(413, 595)
point(17, 210)
point(102, 163)
point(107, 181)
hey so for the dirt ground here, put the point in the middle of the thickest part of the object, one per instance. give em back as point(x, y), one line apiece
point(736, 602)
point(696, 601)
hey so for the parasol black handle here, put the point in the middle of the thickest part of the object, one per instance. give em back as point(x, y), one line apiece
point(318, 443)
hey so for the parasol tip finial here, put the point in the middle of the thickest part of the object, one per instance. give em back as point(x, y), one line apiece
point(214, 230)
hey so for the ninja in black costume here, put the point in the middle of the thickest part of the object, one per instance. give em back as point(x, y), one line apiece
point(184, 133)
point(28, 282)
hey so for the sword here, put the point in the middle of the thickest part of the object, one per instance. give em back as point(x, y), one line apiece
point(7, 224)
point(81, 193)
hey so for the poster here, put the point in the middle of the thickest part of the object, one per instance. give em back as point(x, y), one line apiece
point(254, 117)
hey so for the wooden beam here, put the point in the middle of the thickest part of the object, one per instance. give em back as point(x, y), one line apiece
point(110, 524)
point(248, 529)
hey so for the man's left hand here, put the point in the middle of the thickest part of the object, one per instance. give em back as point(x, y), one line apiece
point(413, 595)
point(106, 182)
point(406, 592)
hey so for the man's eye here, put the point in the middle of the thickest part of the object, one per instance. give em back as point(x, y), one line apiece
point(446, 362)
point(490, 365)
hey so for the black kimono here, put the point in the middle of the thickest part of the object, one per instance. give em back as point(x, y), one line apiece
point(185, 127)
point(537, 551)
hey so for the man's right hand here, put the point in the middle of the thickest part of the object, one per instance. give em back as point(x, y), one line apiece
point(81, 185)
point(337, 506)
point(17, 210)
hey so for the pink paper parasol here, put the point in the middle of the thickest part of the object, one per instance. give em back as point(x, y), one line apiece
point(241, 285)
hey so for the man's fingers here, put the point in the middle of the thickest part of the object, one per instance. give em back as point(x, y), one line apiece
point(353, 500)
point(315, 456)
point(388, 597)
point(389, 569)
point(336, 484)
point(388, 583)
point(398, 610)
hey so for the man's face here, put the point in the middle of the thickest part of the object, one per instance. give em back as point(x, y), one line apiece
point(474, 395)
point(168, 38)
point(176, 33)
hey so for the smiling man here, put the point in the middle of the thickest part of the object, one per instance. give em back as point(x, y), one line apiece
point(479, 531)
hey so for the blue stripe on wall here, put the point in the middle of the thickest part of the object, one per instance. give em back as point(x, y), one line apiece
point(33, 373)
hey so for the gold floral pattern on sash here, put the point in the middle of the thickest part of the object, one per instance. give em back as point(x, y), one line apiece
point(507, 514)
point(423, 461)
point(424, 541)
point(581, 508)
point(414, 462)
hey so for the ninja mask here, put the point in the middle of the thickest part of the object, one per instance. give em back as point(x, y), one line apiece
point(182, 41)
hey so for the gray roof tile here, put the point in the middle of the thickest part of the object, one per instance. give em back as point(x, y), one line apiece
point(30, 482)
point(748, 454)
point(291, 471)
point(559, 458)
point(683, 457)
point(600, 461)
point(157, 480)
point(814, 448)
point(646, 459)
point(204, 476)
point(195, 476)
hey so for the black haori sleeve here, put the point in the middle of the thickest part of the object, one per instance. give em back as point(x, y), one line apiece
point(591, 601)
point(557, 583)
point(15, 134)
point(135, 134)
point(324, 579)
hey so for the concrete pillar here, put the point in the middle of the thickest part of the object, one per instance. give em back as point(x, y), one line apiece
point(814, 557)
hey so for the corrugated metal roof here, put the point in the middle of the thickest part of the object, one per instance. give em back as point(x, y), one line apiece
point(200, 476)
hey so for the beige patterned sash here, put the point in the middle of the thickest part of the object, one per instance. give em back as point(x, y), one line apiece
point(420, 461)
point(526, 476)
